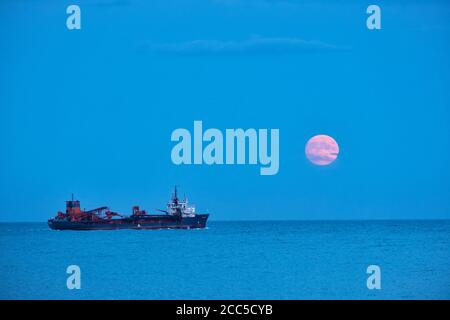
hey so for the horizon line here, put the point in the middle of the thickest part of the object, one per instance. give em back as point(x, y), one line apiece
point(296, 220)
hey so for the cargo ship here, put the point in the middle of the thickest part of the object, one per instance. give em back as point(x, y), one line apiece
point(179, 215)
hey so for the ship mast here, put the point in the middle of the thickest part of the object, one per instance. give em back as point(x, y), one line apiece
point(175, 205)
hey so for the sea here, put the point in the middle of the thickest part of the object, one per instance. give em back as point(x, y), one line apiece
point(230, 260)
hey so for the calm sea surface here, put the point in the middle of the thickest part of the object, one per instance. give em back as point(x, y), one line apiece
point(230, 260)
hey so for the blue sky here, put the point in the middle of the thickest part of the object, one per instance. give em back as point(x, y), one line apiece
point(91, 111)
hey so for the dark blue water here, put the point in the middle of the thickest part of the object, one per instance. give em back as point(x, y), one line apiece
point(229, 260)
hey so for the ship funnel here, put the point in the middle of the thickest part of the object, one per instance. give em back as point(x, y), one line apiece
point(73, 206)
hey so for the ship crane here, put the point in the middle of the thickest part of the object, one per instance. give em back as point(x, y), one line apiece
point(163, 211)
point(97, 210)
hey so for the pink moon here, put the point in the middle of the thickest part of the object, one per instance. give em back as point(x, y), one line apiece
point(321, 150)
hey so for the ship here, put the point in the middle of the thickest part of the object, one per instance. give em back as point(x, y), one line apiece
point(179, 215)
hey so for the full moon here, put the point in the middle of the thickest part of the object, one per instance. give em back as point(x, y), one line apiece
point(321, 150)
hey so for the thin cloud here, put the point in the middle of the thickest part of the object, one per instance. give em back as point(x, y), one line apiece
point(253, 46)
